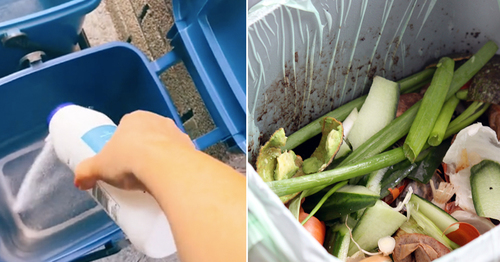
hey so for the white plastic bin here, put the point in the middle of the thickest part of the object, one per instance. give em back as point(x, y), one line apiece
point(307, 57)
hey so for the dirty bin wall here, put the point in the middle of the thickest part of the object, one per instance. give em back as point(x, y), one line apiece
point(306, 59)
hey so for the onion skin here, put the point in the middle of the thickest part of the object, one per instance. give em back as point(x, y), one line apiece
point(494, 118)
point(406, 101)
point(315, 227)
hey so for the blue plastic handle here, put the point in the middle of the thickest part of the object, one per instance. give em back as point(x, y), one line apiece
point(210, 138)
point(165, 62)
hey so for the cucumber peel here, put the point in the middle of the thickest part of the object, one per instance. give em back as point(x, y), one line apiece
point(344, 201)
point(411, 226)
point(378, 111)
point(266, 161)
point(394, 175)
point(438, 216)
point(377, 221)
point(485, 188)
point(429, 163)
point(374, 178)
point(338, 245)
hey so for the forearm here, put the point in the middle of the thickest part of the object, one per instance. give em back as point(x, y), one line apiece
point(204, 201)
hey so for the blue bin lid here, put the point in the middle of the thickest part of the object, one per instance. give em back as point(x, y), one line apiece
point(210, 37)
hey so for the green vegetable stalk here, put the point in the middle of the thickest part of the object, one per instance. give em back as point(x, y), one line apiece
point(431, 105)
point(462, 94)
point(401, 125)
point(467, 117)
point(460, 77)
point(416, 87)
point(408, 85)
point(430, 228)
point(439, 129)
point(325, 178)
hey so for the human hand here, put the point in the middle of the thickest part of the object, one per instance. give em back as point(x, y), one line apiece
point(139, 137)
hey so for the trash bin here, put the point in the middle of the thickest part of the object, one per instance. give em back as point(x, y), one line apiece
point(51, 26)
point(306, 58)
point(116, 79)
point(212, 48)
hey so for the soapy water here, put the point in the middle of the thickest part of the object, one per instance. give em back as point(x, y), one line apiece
point(42, 197)
point(39, 174)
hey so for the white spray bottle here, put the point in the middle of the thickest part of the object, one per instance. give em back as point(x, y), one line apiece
point(79, 133)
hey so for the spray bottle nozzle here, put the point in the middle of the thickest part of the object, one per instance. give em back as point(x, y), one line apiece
point(54, 111)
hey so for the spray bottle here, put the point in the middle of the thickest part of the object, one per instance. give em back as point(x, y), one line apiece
point(79, 133)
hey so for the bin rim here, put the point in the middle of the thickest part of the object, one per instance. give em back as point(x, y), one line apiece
point(74, 55)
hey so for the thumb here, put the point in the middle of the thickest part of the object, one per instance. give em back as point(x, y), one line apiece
point(87, 173)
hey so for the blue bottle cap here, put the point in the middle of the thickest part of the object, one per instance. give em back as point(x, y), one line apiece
point(59, 107)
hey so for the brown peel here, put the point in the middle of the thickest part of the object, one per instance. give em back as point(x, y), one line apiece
point(418, 247)
point(406, 101)
point(494, 119)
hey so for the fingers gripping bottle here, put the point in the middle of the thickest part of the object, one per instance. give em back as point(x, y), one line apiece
point(79, 133)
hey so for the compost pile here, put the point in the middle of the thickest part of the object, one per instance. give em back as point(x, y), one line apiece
point(409, 172)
